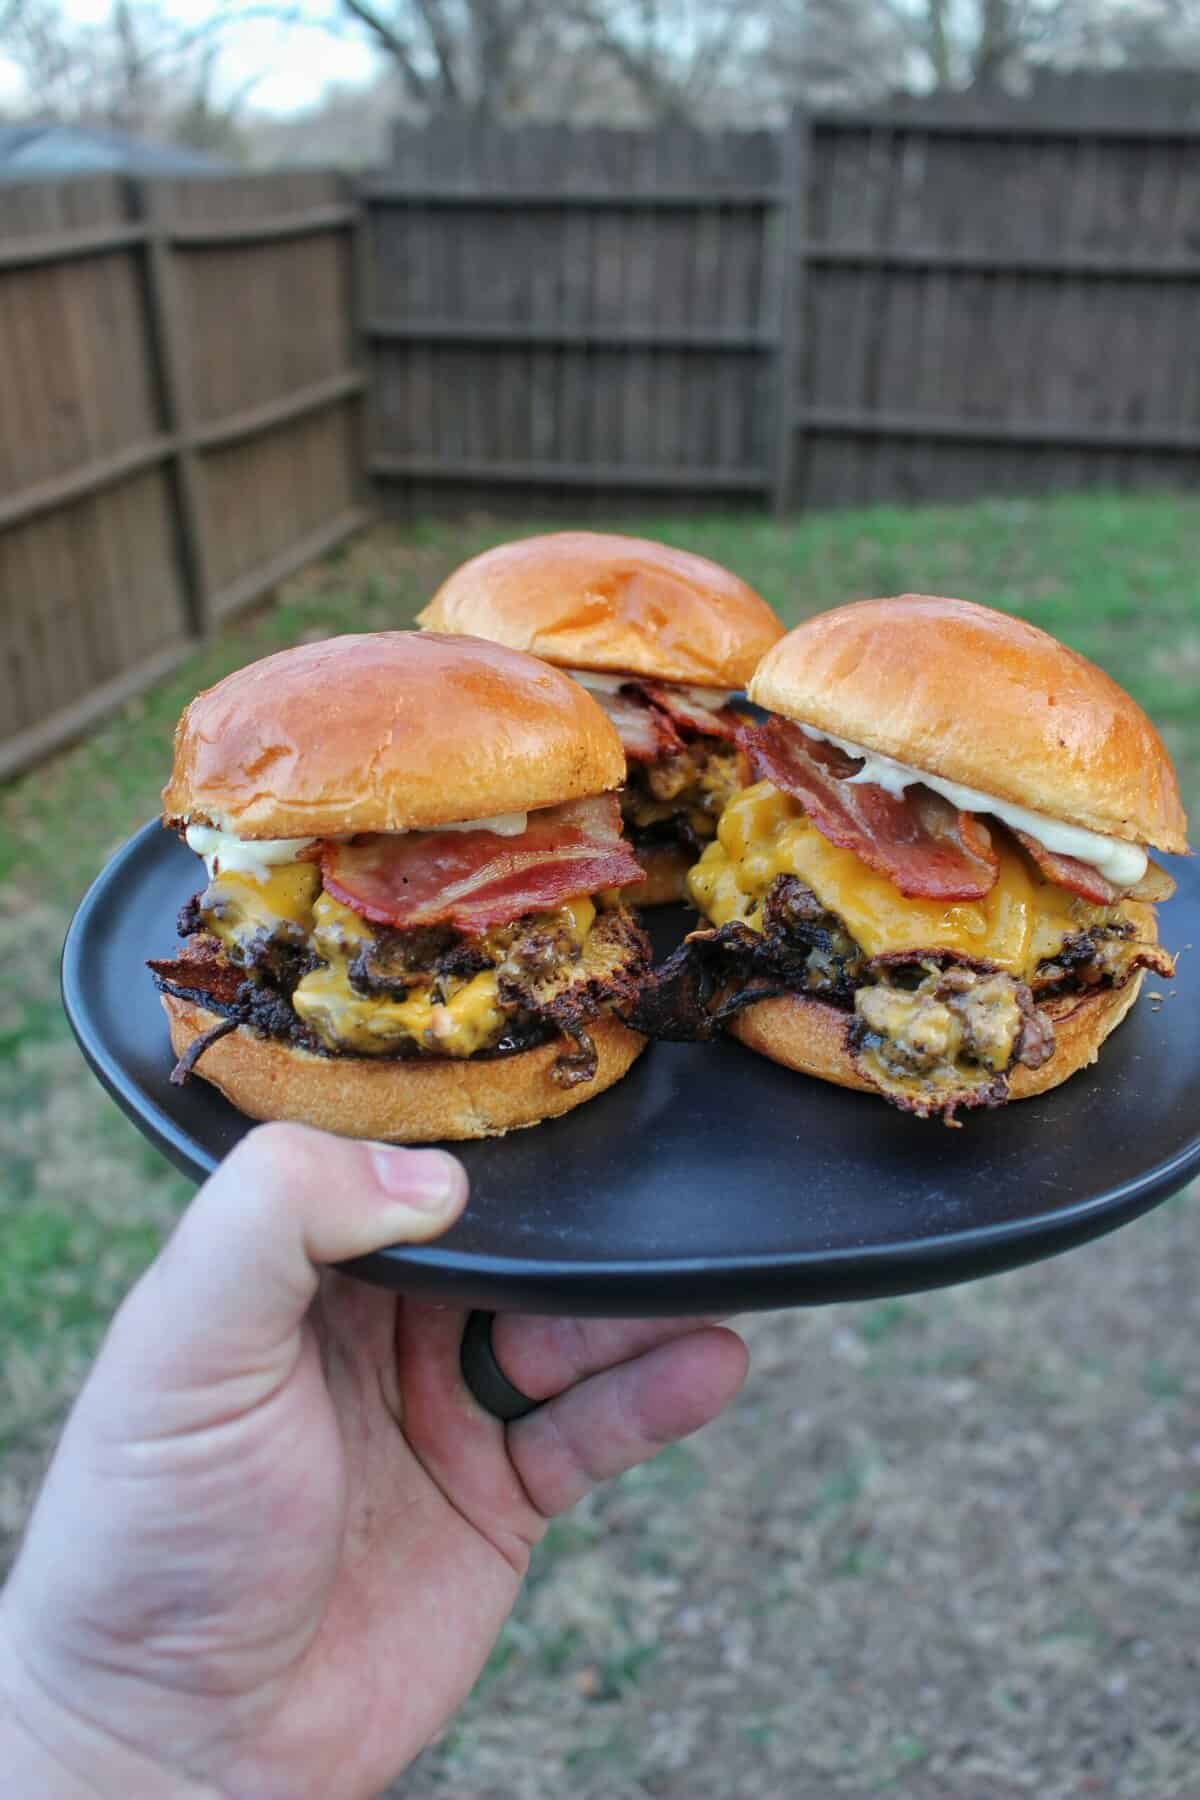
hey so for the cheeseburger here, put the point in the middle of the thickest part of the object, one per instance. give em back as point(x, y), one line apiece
point(408, 929)
point(662, 638)
point(937, 888)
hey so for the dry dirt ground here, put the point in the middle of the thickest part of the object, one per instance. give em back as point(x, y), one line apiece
point(946, 1547)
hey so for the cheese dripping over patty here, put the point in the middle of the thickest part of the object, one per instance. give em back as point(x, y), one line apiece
point(764, 833)
point(457, 1015)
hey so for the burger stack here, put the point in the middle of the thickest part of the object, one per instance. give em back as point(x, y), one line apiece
point(921, 870)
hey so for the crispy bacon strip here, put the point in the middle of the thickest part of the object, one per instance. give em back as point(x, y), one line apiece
point(1067, 871)
point(1082, 879)
point(681, 711)
point(475, 879)
point(918, 840)
point(645, 733)
point(649, 715)
point(202, 970)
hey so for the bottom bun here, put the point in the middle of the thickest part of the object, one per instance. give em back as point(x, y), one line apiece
point(406, 1102)
point(810, 1035)
point(666, 867)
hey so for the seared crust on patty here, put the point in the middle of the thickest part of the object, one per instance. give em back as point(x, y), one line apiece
point(932, 1033)
point(547, 986)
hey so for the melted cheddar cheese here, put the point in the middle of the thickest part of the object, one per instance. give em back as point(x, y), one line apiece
point(238, 908)
point(763, 833)
point(337, 931)
point(460, 1018)
point(466, 1020)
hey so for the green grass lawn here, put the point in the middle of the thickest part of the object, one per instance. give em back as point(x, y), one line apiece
point(84, 1202)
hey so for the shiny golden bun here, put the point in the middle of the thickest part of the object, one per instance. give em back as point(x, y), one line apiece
point(810, 1035)
point(666, 867)
point(414, 1101)
point(589, 600)
point(390, 731)
point(984, 699)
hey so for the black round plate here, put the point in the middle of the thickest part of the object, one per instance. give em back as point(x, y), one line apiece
point(709, 1179)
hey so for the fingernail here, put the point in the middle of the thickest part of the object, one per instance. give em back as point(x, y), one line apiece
point(427, 1180)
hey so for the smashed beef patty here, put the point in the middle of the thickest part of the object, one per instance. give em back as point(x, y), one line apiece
point(291, 961)
point(947, 1041)
point(933, 1033)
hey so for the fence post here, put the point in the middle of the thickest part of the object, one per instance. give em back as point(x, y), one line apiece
point(791, 225)
point(162, 309)
point(361, 310)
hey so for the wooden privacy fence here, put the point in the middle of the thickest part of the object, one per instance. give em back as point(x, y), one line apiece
point(994, 308)
point(202, 382)
point(177, 389)
point(570, 310)
point(857, 309)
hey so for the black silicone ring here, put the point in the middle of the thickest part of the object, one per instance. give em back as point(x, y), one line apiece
point(484, 1376)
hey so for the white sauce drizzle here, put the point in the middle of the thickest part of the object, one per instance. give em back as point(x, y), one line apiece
point(1121, 863)
point(712, 699)
point(242, 856)
point(222, 850)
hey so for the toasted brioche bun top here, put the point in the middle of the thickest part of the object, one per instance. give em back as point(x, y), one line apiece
point(626, 606)
point(390, 731)
point(983, 699)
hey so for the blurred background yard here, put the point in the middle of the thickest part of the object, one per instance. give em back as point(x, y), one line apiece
point(946, 1546)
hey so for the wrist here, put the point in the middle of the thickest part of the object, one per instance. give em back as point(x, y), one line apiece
point(51, 1750)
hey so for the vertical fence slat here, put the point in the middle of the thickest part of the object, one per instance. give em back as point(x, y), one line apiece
point(359, 308)
point(792, 226)
point(170, 449)
point(162, 302)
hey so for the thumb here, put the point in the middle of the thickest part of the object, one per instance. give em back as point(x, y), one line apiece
point(228, 1293)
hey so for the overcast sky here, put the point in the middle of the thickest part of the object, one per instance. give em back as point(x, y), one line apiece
point(295, 64)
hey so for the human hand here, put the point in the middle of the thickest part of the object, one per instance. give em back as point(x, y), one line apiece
point(279, 1537)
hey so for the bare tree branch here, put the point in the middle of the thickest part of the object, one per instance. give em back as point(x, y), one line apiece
point(394, 46)
point(938, 44)
point(442, 42)
point(995, 43)
point(709, 61)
